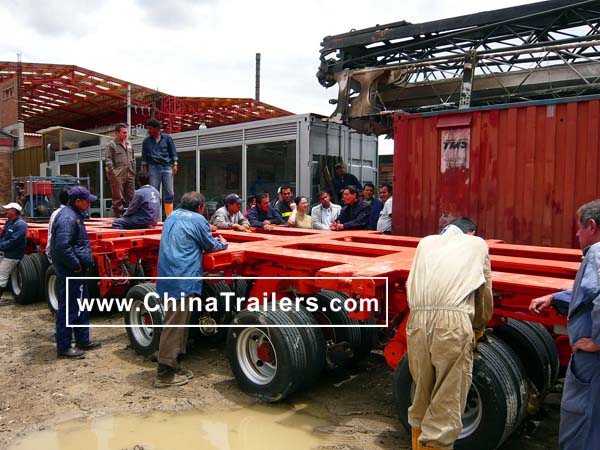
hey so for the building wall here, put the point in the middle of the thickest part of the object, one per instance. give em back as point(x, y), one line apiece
point(8, 103)
point(5, 174)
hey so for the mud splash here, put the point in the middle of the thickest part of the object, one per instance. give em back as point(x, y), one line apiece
point(261, 427)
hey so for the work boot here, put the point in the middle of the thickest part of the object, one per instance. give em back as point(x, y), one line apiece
point(71, 353)
point(168, 209)
point(184, 372)
point(166, 376)
point(415, 433)
point(89, 345)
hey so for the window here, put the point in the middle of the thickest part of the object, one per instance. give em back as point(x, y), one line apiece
point(270, 166)
point(220, 175)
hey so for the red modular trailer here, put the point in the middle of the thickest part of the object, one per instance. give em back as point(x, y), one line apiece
point(521, 359)
point(520, 170)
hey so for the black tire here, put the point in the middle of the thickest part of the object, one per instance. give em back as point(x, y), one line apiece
point(24, 281)
point(530, 348)
point(241, 287)
point(268, 363)
point(546, 337)
point(346, 342)
point(51, 289)
point(492, 407)
point(41, 263)
point(518, 373)
point(145, 336)
point(206, 321)
point(316, 349)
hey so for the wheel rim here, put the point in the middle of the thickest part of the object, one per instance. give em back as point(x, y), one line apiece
point(52, 295)
point(256, 356)
point(471, 418)
point(141, 321)
point(16, 281)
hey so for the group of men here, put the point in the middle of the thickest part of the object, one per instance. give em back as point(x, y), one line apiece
point(159, 163)
point(357, 213)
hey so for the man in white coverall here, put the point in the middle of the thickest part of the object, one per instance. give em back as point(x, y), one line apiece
point(450, 297)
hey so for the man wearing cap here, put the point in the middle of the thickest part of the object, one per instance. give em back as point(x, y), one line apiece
point(229, 217)
point(160, 157)
point(13, 240)
point(343, 179)
point(144, 209)
point(72, 257)
point(119, 162)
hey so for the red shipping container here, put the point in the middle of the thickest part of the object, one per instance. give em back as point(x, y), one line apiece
point(519, 170)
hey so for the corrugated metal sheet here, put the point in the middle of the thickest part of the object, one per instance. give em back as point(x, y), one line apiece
point(527, 169)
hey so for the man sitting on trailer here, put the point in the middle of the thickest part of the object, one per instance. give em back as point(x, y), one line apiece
point(229, 216)
point(263, 215)
point(449, 292)
point(356, 213)
point(580, 409)
point(384, 223)
point(185, 237)
point(325, 213)
point(13, 241)
point(144, 209)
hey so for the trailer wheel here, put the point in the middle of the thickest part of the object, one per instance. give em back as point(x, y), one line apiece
point(24, 281)
point(343, 343)
point(492, 408)
point(145, 330)
point(316, 350)
point(268, 363)
point(530, 348)
point(51, 289)
point(41, 263)
point(546, 337)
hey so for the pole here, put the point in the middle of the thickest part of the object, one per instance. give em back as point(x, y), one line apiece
point(257, 78)
point(129, 110)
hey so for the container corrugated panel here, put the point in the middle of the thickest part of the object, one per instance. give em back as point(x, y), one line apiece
point(527, 169)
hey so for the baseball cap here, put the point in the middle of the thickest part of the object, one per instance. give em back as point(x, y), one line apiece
point(79, 192)
point(153, 123)
point(13, 205)
point(233, 198)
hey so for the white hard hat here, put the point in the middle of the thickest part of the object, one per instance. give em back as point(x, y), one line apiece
point(13, 205)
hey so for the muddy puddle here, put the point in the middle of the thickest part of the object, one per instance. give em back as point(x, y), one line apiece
point(264, 427)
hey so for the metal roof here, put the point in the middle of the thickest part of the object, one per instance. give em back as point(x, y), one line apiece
point(72, 96)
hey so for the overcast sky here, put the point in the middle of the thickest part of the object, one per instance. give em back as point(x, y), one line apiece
point(207, 47)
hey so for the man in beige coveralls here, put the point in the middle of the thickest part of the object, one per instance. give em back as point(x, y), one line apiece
point(120, 168)
point(450, 297)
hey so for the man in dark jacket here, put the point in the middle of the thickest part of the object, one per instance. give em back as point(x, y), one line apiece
point(343, 179)
point(144, 209)
point(355, 215)
point(263, 215)
point(72, 257)
point(376, 204)
point(12, 242)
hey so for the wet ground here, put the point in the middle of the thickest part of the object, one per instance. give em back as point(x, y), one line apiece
point(107, 401)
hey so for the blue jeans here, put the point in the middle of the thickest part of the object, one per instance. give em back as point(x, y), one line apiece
point(164, 175)
point(77, 289)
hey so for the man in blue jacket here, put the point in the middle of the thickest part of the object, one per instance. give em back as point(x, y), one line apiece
point(580, 409)
point(185, 237)
point(72, 257)
point(376, 204)
point(144, 209)
point(263, 215)
point(356, 213)
point(159, 156)
point(13, 240)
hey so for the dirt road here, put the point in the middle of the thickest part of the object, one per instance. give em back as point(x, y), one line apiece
point(37, 391)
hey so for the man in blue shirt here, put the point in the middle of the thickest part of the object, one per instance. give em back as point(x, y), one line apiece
point(185, 237)
point(72, 257)
point(376, 204)
point(579, 408)
point(13, 240)
point(263, 215)
point(159, 154)
point(144, 209)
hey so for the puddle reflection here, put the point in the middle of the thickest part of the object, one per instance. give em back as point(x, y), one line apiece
point(264, 427)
